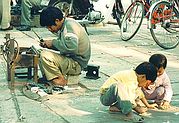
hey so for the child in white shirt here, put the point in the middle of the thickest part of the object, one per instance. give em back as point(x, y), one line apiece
point(161, 91)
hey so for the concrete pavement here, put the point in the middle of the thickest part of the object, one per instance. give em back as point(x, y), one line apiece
point(82, 105)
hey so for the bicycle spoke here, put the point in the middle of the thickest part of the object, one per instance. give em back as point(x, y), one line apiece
point(132, 21)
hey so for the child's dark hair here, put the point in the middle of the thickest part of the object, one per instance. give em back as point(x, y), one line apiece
point(159, 60)
point(49, 15)
point(148, 69)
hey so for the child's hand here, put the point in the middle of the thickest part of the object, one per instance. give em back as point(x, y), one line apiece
point(165, 105)
point(152, 106)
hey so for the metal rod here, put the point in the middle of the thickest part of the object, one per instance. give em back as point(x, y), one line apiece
point(40, 38)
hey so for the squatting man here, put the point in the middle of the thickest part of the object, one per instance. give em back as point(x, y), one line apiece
point(72, 43)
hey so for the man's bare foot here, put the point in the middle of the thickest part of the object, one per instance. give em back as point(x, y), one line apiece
point(114, 109)
point(60, 80)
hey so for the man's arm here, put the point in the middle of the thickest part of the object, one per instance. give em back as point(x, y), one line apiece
point(67, 43)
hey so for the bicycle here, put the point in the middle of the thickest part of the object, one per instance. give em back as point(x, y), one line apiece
point(157, 14)
point(164, 24)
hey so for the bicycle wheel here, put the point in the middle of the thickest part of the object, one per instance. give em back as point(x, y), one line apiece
point(165, 25)
point(132, 20)
point(63, 6)
point(176, 3)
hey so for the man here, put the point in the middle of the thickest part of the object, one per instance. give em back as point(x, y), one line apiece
point(122, 89)
point(72, 43)
point(5, 16)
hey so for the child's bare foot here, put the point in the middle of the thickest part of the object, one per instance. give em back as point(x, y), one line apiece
point(114, 109)
point(134, 118)
point(164, 105)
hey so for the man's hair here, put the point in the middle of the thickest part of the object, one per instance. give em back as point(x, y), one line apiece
point(158, 60)
point(148, 69)
point(49, 15)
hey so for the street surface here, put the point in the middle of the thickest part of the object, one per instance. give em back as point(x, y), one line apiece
point(82, 105)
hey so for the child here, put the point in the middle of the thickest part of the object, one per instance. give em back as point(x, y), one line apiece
point(161, 90)
point(122, 89)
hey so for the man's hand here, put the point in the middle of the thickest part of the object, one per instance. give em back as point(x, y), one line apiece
point(46, 44)
point(42, 44)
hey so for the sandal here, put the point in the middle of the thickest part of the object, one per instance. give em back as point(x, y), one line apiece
point(58, 90)
point(47, 87)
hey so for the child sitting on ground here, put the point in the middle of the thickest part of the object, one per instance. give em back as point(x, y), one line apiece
point(122, 89)
point(161, 90)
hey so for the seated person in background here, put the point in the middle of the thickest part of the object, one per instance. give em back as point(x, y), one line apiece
point(26, 6)
point(72, 43)
point(5, 16)
point(122, 89)
point(161, 90)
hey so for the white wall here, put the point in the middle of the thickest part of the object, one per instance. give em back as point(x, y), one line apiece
point(105, 6)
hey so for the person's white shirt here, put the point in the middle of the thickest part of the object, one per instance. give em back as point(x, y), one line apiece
point(164, 81)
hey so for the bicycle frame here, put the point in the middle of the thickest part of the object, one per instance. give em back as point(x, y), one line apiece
point(149, 9)
point(145, 4)
point(167, 14)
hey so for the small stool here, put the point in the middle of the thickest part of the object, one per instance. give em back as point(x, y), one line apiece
point(92, 72)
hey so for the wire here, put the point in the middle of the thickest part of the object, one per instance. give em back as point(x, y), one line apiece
point(6, 51)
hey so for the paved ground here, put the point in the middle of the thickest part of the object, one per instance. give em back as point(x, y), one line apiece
point(83, 105)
